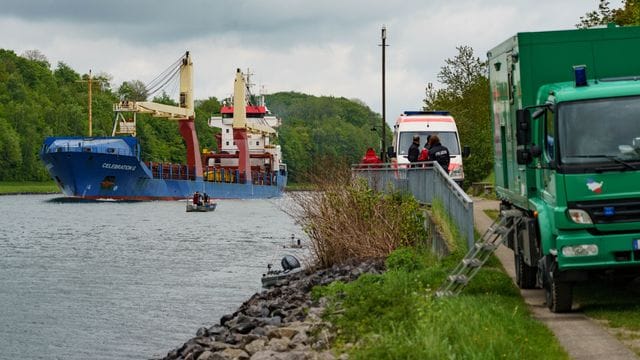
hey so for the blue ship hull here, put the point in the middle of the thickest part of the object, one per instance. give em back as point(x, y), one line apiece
point(111, 168)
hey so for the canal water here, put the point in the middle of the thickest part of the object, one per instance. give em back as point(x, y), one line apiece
point(113, 280)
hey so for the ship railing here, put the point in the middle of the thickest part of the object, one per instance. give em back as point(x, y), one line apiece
point(222, 175)
point(169, 171)
point(80, 147)
point(264, 178)
point(234, 176)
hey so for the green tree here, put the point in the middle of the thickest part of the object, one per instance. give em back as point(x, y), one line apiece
point(10, 154)
point(133, 90)
point(327, 128)
point(36, 55)
point(65, 74)
point(629, 14)
point(206, 134)
point(466, 96)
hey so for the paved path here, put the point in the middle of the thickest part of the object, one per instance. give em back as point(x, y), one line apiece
point(581, 337)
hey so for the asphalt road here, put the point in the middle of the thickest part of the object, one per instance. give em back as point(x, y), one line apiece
point(581, 337)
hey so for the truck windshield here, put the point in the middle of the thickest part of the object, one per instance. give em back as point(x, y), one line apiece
point(447, 138)
point(597, 132)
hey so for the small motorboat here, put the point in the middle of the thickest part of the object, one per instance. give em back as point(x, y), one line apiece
point(210, 206)
point(290, 265)
point(200, 203)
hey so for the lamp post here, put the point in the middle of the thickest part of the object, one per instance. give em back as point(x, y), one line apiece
point(384, 45)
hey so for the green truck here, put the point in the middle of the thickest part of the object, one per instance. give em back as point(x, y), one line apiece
point(566, 132)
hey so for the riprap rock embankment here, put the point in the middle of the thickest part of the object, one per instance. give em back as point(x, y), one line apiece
point(279, 323)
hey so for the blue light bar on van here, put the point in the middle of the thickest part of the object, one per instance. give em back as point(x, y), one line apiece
point(437, 112)
point(580, 72)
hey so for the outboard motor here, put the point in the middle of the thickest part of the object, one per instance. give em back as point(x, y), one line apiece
point(289, 262)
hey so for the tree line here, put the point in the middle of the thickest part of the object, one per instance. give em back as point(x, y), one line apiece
point(37, 101)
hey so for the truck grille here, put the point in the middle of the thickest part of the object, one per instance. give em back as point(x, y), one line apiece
point(610, 211)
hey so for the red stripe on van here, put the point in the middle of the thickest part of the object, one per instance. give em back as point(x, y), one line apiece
point(426, 119)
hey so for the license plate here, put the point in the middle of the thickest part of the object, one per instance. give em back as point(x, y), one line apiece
point(636, 244)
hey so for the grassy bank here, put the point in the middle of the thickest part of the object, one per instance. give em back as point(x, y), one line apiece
point(300, 187)
point(395, 315)
point(28, 187)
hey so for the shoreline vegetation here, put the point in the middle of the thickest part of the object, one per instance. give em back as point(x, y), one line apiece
point(28, 187)
point(345, 308)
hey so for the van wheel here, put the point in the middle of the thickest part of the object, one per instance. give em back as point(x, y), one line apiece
point(559, 295)
point(525, 274)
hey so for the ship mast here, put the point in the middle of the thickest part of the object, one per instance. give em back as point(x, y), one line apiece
point(90, 112)
point(89, 81)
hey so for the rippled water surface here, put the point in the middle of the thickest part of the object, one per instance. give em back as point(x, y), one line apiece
point(109, 280)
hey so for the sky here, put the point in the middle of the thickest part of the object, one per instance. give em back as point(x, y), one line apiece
point(323, 48)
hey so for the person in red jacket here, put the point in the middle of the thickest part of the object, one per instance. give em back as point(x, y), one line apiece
point(424, 153)
point(370, 159)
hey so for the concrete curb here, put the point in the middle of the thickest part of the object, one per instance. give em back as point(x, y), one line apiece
point(581, 337)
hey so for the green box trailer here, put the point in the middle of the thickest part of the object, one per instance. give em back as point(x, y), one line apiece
point(566, 130)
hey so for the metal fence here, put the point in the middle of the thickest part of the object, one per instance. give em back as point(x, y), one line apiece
point(427, 182)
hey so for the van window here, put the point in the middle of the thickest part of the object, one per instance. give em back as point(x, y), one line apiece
point(447, 138)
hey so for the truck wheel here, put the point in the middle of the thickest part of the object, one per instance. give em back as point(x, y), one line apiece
point(559, 295)
point(525, 274)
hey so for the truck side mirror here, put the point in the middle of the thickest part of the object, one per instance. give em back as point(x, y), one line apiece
point(390, 152)
point(522, 126)
point(466, 151)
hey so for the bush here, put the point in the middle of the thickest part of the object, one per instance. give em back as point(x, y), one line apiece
point(346, 220)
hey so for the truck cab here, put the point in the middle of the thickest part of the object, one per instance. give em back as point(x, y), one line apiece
point(424, 124)
point(565, 111)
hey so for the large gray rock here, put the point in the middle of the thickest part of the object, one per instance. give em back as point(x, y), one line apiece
point(230, 354)
point(273, 355)
point(207, 355)
point(283, 332)
point(279, 344)
point(255, 346)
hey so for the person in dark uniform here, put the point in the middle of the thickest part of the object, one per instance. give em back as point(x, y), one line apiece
point(439, 153)
point(414, 149)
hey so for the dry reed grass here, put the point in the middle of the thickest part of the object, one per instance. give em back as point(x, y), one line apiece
point(345, 220)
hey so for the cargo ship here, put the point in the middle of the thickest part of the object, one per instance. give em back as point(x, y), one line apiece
point(245, 166)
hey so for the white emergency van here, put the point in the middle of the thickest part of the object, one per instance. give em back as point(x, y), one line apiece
point(423, 124)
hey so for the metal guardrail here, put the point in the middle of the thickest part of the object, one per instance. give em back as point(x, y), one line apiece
point(427, 182)
point(98, 149)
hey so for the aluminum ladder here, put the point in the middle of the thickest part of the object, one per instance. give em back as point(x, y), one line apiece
point(481, 251)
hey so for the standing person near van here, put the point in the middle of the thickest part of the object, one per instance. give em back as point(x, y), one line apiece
point(439, 153)
point(414, 149)
point(424, 153)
